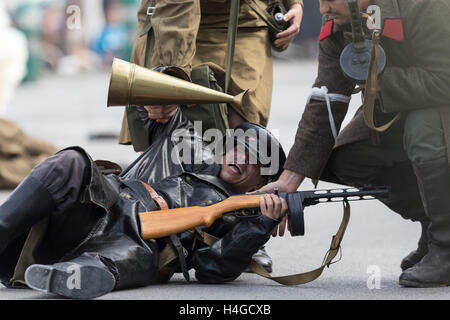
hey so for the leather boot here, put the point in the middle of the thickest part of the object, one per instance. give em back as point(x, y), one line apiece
point(85, 277)
point(422, 249)
point(28, 204)
point(434, 268)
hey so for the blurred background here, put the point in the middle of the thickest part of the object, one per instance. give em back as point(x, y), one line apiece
point(73, 36)
point(55, 61)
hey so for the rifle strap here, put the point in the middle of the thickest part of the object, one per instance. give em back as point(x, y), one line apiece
point(205, 237)
point(155, 196)
point(371, 90)
point(302, 278)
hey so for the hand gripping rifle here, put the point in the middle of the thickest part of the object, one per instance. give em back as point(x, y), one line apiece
point(157, 224)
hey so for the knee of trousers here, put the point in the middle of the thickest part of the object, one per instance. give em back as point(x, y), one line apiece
point(349, 165)
point(424, 138)
point(56, 171)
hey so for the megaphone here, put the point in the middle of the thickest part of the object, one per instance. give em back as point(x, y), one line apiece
point(132, 85)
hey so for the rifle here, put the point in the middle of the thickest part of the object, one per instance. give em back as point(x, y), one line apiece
point(162, 223)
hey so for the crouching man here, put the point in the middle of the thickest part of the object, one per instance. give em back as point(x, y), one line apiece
point(73, 230)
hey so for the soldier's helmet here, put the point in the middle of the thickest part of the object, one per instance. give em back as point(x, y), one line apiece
point(264, 148)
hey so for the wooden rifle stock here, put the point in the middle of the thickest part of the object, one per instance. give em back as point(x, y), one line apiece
point(162, 223)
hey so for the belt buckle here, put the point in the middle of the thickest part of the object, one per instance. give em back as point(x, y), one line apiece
point(150, 11)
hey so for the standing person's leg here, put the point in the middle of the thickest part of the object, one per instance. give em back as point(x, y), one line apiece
point(426, 147)
point(252, 69)
point(175, 25)
point(166, 36)
point(362, 163)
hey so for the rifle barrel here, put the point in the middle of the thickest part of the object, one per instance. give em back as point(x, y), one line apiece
point(349, 194)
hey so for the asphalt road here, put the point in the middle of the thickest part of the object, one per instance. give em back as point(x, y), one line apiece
point(66, 110)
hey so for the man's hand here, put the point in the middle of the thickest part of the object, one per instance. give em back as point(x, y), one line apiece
point(161, 114)
point(294, 16)
point(273, 206)
point(289, 181)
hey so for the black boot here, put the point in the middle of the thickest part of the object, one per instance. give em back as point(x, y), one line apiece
point(28, 204)
point(434, 269)
point(422, 249)
point(85, 277)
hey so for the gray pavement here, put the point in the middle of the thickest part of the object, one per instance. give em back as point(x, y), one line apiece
point(66, 110)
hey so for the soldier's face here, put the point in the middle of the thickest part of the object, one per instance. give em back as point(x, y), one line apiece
point(338, 9)
point(239, 173)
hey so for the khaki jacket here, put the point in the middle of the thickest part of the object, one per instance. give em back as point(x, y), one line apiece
point(415, 38)
point(194, 32)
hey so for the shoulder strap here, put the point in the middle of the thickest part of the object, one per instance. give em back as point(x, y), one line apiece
point(371, 90)
point(182, 253)
point(231, 41)
point(301, 278)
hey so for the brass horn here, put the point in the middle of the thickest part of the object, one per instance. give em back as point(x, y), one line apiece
point(132, 85)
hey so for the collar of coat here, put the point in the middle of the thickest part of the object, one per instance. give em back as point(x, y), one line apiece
point(392, 24)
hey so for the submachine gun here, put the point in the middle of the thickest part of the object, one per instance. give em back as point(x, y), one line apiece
point(156, 224)
point(161, 223)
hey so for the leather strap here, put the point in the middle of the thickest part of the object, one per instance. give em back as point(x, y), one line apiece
point(182, 253)
point(172, 251)
point(166, 256)
point(371, 90)
point(155, 196)
point(301, 278)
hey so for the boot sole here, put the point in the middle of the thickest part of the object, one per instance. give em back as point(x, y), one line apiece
point(70, 280)
point(416, 284)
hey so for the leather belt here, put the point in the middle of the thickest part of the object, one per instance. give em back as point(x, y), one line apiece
point(156, 197)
